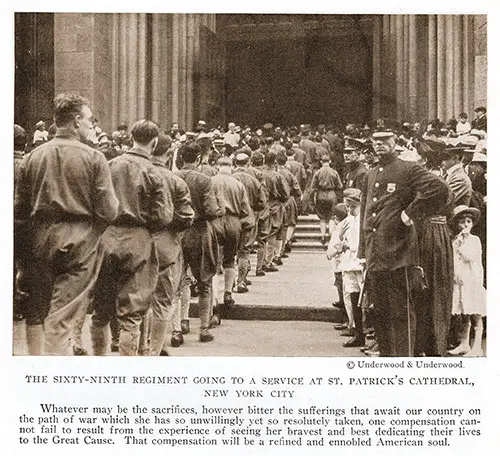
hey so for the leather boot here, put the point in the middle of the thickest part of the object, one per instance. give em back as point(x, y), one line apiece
point(261, 253)
point(158, 333)
point(242, 273)
point(205, 314)
point(99, 339)
point(359, 337)
point(145, 336)
point(177, 339)
point(185, 326)
point(34, 339)
point(229, 275)
point(129, 342)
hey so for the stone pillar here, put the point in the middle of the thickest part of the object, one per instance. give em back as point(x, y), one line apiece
point(480, 61)
point(377, 61)
point(143, 67)
point(441, 67)
point(399, 67)
point(449, 78)
point(412, 68)
point(175, 68)
point(406, 62)
point(74, 53)
point(432, 80)
point(386, 42)
point(458, 65)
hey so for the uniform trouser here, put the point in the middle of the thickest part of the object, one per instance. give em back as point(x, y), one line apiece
point(125, 286)
point(276, 217)
point(260, 233)
point(63, 272)
point(228, 229)
point(244, 255)
point(200, 251)
point(394, 313)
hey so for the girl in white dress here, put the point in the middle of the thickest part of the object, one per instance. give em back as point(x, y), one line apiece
point(469, 294)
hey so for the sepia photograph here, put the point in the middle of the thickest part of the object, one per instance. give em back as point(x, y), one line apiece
point(250, 185)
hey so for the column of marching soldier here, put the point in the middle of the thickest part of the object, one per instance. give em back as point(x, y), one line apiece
point(126, 239)
point(126, 232)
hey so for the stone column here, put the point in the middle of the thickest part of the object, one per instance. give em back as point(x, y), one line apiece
point(432, 79)
point(412, 68)
point(399, 67)
point(449, 79)
point(377, 61)
point(480, 61)
point(386, 42)
point(406, 61)
point(143, 67)
point(175, 68)
point(458, 65)
point(441, 67)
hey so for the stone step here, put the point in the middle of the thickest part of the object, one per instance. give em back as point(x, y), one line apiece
point(308, 247)
point(305, 219)
point(308, 235)
point(276, 313)
point(307, 227)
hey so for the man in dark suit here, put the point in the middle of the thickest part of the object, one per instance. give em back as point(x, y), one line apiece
point(456, 177)
point(394, 194)
point(480, 122)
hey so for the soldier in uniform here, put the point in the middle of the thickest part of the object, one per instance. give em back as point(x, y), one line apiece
point(165, 305)
point(129, 271)
point(262, 228)
point(325, 186)
point(279, 193)
point(257, 200)
point(291, 208)
point(64, 198)
point(298, 170)
point(395, 193)
point(199, 244)
point(229, 227)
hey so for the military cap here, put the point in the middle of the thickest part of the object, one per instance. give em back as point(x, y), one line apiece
point(242, 159)
point(224, 161)
point(352, 194)
point(385, 128)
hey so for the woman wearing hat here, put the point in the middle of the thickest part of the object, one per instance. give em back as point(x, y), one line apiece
point(469, 295)
point(40, 135)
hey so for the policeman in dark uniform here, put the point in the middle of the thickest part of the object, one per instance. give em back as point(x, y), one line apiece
point(355, 169)
point(394, 194)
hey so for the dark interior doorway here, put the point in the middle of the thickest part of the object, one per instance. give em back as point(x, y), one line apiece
point(318, 76)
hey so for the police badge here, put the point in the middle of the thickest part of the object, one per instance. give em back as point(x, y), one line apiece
point(391, 188)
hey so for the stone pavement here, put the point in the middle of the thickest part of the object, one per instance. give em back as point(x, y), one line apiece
point(301, 290)
point(245, 338)
point(298, 298)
